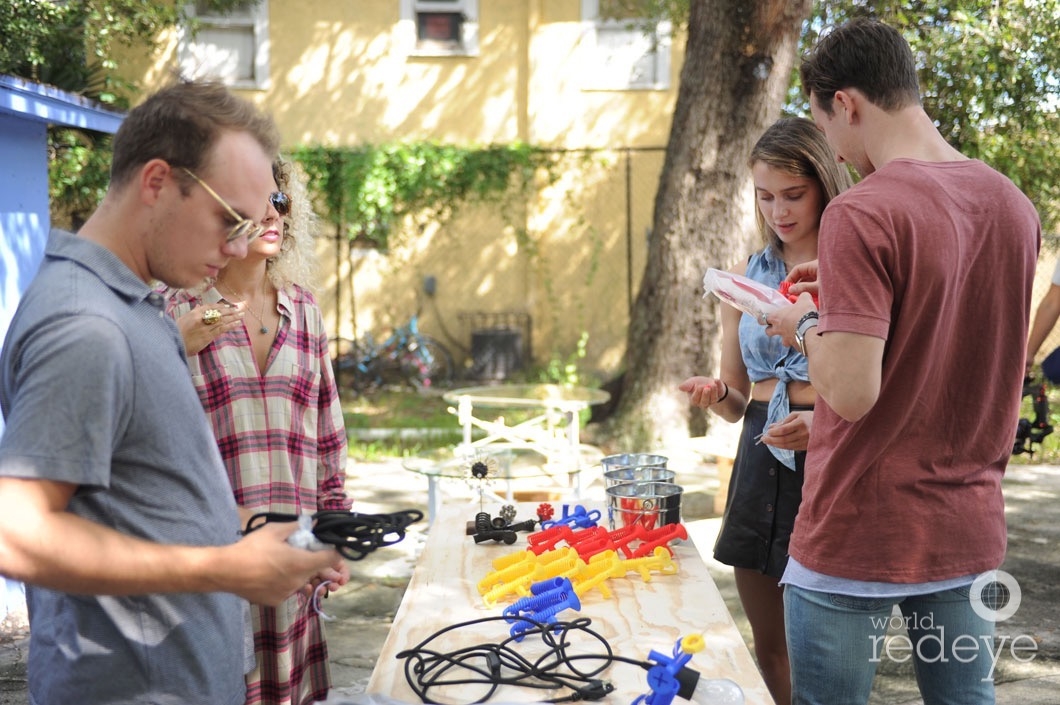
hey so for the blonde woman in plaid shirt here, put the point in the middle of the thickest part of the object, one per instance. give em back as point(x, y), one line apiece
point(262, 369)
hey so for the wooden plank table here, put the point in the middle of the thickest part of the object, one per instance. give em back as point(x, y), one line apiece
point(640, 617)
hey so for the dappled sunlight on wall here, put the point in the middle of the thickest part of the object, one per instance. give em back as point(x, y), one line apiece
point(342, 74)
point(593, 229)
point(565, 110)
point(343, 78)
point(482, 273)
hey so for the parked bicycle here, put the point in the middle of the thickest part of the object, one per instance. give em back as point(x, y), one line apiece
point(406, 357)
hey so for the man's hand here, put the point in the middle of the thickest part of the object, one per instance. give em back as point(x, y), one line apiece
point(266, 570)
point(97, 560)
point(803, 278)
point(783, 321)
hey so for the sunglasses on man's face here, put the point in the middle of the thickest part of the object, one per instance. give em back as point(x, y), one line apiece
point(243, 227)
point(281, 202)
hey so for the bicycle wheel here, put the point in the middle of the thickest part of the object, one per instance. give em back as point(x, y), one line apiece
point(426, 362)
point(351, 365)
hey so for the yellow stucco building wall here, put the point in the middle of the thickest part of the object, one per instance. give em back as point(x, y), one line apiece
point(341, 73)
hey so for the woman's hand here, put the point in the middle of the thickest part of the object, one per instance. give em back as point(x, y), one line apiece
point(793, 433)
point(704, 392)
point(203, 324)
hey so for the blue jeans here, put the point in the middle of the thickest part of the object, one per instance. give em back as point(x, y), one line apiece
point(836, 641)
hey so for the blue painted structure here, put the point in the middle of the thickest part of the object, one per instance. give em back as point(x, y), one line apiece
point(26, 111)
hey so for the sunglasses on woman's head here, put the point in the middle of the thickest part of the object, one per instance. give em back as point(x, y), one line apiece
point(281, 202)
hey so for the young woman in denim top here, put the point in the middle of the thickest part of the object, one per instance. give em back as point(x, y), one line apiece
point(765, 383)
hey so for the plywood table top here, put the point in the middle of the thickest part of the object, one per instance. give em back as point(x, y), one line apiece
point(639, 617)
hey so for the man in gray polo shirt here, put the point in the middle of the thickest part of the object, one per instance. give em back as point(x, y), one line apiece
point(114, 504)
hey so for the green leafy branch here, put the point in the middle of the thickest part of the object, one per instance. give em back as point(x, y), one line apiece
point(368, 190)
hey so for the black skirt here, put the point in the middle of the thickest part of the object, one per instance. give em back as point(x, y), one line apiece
point(763, 500)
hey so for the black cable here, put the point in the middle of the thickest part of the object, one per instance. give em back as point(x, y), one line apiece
point(496, 664)
point(354, 535)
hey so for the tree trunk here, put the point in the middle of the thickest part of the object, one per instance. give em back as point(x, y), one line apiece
point(737, 69)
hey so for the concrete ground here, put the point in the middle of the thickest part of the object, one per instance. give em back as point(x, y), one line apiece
point(364, 608)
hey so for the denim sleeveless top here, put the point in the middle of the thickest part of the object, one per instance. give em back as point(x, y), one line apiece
point(765, 356)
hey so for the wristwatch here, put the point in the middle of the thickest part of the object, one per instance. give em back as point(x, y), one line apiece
point(809, 320)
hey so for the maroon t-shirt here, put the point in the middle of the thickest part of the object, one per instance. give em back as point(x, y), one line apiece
point(938, 260)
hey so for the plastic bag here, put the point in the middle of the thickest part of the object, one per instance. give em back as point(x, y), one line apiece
point(747, 295)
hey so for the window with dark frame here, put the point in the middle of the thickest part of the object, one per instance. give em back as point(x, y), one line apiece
point(439, 30)
point(440, 27)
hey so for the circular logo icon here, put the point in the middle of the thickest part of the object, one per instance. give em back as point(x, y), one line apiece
point(995, 595)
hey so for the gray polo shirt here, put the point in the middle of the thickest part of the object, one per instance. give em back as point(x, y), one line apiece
point(95, 391)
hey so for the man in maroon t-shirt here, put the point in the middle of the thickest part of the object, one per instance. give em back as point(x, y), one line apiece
point(917, 355)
